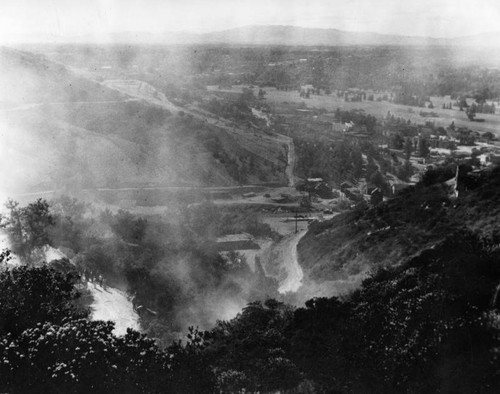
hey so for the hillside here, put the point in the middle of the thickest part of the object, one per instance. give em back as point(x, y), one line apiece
point(28, 78)
point(63, 131)
point(418, 219)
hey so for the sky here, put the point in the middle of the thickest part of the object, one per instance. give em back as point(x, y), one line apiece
point(46, 20)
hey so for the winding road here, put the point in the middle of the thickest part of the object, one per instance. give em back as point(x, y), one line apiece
point(290, 261)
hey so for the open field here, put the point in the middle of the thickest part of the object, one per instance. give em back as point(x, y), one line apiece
point(380, 108)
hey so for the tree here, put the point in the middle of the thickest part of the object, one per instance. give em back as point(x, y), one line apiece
point(441, 131)
point(482, 95)
point(34, 295)
point(378, 180)
point(28, 227)
point(408, 148)
point(397, 141)
point(406, 171)
point(48, 345)
point(471, 112)
point(318, 73)
point(401, 330)
point(250, 349)
point(191, 365)
point(80, 356)
point(462, 103)
point(247, 95)
point(423, 147)
point(488, 136)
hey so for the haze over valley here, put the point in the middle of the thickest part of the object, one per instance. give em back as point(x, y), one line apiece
point(304, 204)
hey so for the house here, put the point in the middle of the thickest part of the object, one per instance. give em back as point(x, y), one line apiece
point(346, 185)
point(353, 194)
point(354, 130)
point(489, 159)
point(350, 191)
point(397, 187)
point(232, 242)
point(316, 186)
point(283, 199)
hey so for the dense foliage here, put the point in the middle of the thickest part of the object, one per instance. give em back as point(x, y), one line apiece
point(31, 295)
point(79, 356)
point(171, 266)
point(249, 352)
point(48, 345)
point(28, 227)
point(423, 327)
point(428, 324)
point(338, 161)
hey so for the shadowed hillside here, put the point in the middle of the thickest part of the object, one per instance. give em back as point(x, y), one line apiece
point(385, 235)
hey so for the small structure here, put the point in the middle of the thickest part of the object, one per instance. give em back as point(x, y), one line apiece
point(283, 198)
point(317, 187)
point(351, 192)
point(489, 159)
point(346, 185)
point(397, 187)
point(233, 242)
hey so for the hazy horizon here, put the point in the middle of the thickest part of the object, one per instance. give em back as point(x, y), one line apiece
point(58, 21)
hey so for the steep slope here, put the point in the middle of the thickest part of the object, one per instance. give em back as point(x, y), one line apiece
point(30, 78)
point(385, 235)
point(62, 131)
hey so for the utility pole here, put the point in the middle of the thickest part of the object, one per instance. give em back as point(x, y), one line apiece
point(296, 220)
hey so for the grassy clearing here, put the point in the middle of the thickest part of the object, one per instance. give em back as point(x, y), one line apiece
point(380, 108)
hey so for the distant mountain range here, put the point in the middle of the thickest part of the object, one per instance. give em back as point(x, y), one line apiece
point(293, 36)
point(267, 35)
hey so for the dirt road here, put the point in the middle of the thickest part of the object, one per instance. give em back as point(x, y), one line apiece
point(291, 266)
